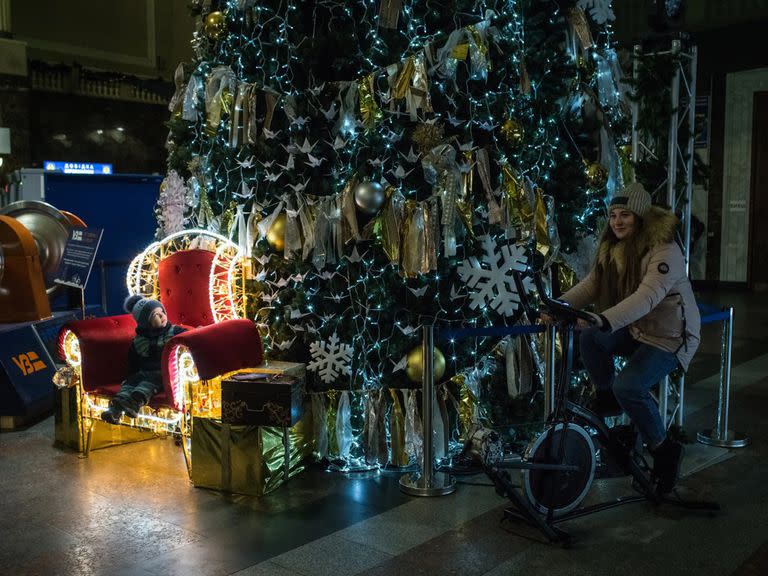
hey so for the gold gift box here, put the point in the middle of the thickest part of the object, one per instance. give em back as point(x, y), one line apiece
point(205, 395)
point(252, 460)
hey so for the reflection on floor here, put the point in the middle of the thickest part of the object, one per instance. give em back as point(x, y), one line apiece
point(131, 510)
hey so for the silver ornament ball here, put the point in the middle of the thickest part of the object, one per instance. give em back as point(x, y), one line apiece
point(369, 197)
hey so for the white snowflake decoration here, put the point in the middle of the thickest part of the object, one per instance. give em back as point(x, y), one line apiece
point(330, 359)
point(493, 276)
point(599, 10)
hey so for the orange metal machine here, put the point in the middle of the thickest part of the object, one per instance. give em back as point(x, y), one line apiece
point(23, 295)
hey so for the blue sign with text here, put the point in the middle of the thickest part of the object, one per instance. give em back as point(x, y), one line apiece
point(79, 254)
point(77, 167)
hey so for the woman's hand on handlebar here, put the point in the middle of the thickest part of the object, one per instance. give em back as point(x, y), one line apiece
point(596, 321)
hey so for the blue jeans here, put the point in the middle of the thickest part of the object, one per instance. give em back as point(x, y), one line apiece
point(645, 366)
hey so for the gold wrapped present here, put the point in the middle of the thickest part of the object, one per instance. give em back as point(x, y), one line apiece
point(205, 395)
point(252, 460)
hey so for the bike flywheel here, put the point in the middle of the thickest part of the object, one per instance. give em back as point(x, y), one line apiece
point(560, 491)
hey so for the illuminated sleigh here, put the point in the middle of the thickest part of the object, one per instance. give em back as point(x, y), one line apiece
point(199, 278)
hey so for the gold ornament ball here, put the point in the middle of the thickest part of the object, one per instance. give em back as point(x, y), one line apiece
point(415, 364)
point(597, 175)
point(276, 233)
point(215, 25)
point(513, 131)
point(625, 151)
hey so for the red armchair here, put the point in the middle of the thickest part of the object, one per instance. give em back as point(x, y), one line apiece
point(196, 276)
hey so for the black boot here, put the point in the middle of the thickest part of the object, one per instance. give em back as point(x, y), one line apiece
point(134, 404)
point(131, 408)
point(112, 414)
point(667, 458)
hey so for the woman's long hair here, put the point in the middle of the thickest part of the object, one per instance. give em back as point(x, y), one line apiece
point(618, 263)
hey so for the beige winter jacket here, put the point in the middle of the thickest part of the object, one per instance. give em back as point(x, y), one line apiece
point(662, 311)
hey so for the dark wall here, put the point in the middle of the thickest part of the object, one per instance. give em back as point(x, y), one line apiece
point(67, 127)
point(14, 115)
point(721, 52)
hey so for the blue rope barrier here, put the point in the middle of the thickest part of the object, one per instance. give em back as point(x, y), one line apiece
point(719, 317)
point(461, 333)
point(706, 309)
point(710, 313)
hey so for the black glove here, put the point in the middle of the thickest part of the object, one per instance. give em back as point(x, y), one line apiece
point(599, 321)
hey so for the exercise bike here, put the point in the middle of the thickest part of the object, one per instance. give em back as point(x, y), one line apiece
point(559, 466)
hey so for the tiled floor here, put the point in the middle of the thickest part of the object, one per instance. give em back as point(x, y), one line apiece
point(131, 510)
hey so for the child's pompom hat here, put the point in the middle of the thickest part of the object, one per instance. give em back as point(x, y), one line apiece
point(141, 308)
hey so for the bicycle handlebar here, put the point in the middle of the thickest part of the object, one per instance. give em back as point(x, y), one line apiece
point(559, 309)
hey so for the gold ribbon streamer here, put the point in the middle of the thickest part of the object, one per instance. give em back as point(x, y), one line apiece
point(464, 203)
point(540, 225)
point(578, 20)
point(398, 455)
point(205, 213)
point(482, 47)
point(350, 228)
point(218, 97)
point(479, 55)
point(519, 209)
point(460, 52)
point(270, 99)
point(419, 94)
point(237, 127)
point(495, 215)
point(333, 445)
point(566, 277)
point(389, 13)
point(525, 79)
point(228, 219)
point(467, 404)
point(391, 222)
point(418, 253)
point(369, 108)
point(250, 115)
point(442, 171)
point(374, 428)
point(403, 81)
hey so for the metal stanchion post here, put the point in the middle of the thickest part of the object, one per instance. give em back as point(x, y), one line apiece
point(680, 401)
point(550, 345)
point(103, 272)
point(427, 482)
point(721, 435)
point(664, 399)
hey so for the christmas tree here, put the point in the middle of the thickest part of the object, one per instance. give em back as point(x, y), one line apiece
point(394, 163)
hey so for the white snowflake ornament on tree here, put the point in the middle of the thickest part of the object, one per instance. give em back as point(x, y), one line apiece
point(329, 359)
point(599, 10)
point(493, 275)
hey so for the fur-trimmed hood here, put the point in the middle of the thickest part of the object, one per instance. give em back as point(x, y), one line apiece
point(659, 226)
point(658, 305)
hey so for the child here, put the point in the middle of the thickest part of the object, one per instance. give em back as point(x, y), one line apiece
point(144, 376)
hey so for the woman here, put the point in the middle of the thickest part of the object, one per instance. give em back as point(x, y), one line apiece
point(647, 314)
